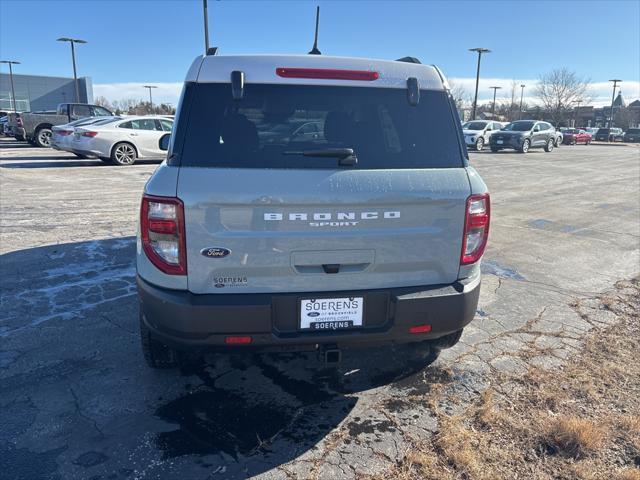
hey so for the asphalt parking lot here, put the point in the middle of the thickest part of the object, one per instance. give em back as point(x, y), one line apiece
point(77, 401)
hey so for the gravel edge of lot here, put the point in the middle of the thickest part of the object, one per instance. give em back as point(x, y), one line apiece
point(580, 420)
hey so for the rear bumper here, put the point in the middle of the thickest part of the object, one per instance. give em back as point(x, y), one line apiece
point(184, 320)
point(511, 142)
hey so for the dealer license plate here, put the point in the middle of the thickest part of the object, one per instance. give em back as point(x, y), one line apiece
point(331, 313)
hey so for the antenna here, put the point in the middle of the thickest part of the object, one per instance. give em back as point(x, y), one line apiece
point(314, 50)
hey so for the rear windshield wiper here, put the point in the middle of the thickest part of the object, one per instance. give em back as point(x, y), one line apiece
point(346, 156)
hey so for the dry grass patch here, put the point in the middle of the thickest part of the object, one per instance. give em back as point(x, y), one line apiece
point(579, 421)
point(575, 437)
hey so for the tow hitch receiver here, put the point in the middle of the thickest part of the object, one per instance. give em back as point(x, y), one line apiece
point(332, 356)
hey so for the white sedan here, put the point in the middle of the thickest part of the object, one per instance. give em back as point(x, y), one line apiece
point(61, 135)
point(122, 141)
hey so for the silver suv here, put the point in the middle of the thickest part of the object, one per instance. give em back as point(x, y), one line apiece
point(368, 230)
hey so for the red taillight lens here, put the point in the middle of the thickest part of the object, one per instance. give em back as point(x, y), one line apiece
point(420, 329)
point(162, 233)
point(89, 134)
point(64, 133)
point(237, 340)
point(327, 74)
point(476, 228)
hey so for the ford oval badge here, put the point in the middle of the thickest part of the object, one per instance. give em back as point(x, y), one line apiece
point(215, 252)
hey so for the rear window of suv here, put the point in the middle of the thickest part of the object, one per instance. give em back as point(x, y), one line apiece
point(271, 123)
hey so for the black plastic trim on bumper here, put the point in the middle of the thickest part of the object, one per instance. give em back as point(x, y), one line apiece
point(183, 319)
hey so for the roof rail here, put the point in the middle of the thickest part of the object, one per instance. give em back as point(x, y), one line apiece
point(408, 60)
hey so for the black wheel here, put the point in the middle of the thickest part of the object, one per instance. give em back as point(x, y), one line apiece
point(588, 142)
point(42, 138)
point(556, 142)
point(79, 155)
point(494, 149)
point(157, 354)
point(123, 154)
point(479, 144)
point(549, 146)
point(525, 146)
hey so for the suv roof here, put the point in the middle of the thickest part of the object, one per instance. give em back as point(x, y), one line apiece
point(262, 69)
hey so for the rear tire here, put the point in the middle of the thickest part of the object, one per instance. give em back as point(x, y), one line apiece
point(123, 153)
point(479, 144)
point(42, 138)
point(549, 146)
point(556, 142)
point(525, 146)
point(156, 354)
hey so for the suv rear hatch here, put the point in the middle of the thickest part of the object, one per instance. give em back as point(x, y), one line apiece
point(298, 223)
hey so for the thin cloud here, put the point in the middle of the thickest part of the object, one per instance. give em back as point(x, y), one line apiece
point(165, 93)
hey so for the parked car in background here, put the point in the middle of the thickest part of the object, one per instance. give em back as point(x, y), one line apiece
point(523, 135)
point(3, 124)
point(123, 141)
point(609, 135)
point(558, 138)
point(35, 127)
point(61, 135)
point(632, 135)
point(573, 136)
point(592, 131)
point(477, 132)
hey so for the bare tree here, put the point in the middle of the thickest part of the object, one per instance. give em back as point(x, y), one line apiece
point(103, 102)
point(558, 89)
point(459, 94)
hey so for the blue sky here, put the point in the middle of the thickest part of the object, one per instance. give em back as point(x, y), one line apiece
point(136, 42)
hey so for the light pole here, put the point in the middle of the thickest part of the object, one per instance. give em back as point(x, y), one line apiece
point(475, 98)
point(493, 107)
point(13, 92)
point(575, 113)
point(522, 85)
point(73, 58)
point(150, 97)
point(613, 97)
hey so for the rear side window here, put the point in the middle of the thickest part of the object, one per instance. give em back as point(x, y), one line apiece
point(272, 122)
point(145, 124)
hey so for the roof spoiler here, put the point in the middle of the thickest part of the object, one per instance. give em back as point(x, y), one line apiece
point(408, 60)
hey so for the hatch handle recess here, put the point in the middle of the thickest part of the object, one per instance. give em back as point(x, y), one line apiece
point(237, 84)
point(331, 268)
point(413, 91)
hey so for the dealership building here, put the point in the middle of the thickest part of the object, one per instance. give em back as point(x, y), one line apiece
point(35, 92)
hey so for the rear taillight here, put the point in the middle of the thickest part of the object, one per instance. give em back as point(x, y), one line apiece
point(476, 228)
point(327, 74)
point(64, 133)
point(89, 134)
point(162, 233)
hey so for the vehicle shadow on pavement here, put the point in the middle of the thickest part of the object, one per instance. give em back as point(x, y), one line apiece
point(75, 385)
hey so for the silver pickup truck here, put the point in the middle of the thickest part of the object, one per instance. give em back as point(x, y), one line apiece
point(35, 127)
